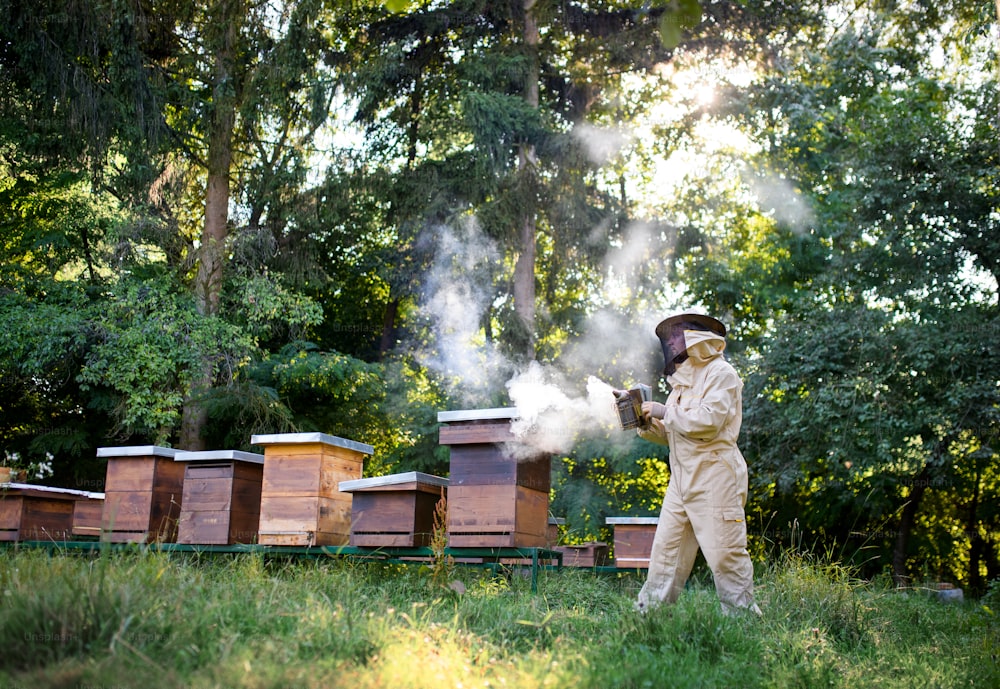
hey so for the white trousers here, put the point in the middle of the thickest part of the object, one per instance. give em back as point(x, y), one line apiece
point(711, 518)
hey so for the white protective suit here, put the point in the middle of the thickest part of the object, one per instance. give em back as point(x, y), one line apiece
point(703, 506)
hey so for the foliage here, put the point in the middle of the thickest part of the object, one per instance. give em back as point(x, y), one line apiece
point(40, 396)
point(149, 346)
point(606, 478)
point(50, 221)
point(413, 400)
point(263, 308)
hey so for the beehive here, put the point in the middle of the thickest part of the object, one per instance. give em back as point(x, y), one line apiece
point(300, 501)
point(552, 532)
point(498, 489)
point(633, 540)
point(221, 504)
point(395, 510)
point(142, 494)
point(36, 513)
point(87, 513)
point(592, 554)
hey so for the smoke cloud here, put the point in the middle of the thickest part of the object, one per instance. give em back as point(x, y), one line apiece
point(779, 196)
point(600, 144)
point(560, 403)
point(457, 292)
point(549, 419)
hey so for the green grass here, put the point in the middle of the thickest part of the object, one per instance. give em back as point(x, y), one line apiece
point(149, 620)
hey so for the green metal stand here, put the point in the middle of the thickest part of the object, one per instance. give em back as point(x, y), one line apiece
point(539, 558)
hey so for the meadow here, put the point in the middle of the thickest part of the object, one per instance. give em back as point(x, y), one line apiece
point(146, 620)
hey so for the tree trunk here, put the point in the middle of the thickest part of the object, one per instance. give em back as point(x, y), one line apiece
point(388, 339)
point(906, 521)
point(992, 561)
point(388, 328)
point(977, 545)
point(87, 255)
point(212, 252)
point(524, 268)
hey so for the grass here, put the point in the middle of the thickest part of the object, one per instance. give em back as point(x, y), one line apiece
point(151, 620)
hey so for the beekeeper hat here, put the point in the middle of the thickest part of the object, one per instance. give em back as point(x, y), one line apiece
point(709, 323)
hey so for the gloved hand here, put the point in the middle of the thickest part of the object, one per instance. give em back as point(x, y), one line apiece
point(654, 410)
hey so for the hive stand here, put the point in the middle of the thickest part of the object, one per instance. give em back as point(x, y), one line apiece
point(498, 490)
point(633, 540)
point(221, 504)
point(300, 502)
point(395, 510)
point(142, 494)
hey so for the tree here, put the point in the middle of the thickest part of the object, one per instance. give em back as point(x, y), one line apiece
point(514, 97)
point(199, 109)
point(872, 394)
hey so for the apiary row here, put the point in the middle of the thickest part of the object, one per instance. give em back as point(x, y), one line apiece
point(306, 489)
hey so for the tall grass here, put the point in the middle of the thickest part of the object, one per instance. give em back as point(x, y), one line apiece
point(149, 620)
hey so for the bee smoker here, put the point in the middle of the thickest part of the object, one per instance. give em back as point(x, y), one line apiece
point(628, 404)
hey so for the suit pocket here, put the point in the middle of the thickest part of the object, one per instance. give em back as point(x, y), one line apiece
point(734, 528)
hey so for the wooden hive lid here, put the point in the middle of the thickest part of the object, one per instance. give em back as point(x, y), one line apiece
point(306, 438)
point(477, 426)
point(632, 520)
point(219, 456)
point(416, 478)
point(137, 451)
point(495, 414)
point(32, 490)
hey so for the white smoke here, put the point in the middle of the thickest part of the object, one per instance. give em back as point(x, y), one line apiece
point(571, 399)
point(778, 196)
point(639, 250)
point(549, 419)
point(556, 404)
point(601, 144)
point(457, 293)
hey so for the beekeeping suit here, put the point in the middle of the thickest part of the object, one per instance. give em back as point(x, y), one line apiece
point(703, 506)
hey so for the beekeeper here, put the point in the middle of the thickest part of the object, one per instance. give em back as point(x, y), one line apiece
point(703, 506)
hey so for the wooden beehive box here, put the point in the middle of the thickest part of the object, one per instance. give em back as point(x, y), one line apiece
point(142, 494)
point(221, 504)
point(395, 510)
point(87, 514)
point(633, 540)
point(300, 500)
point(592, 554)
point(36, 513)
point(552, 532)
point(498, 488)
